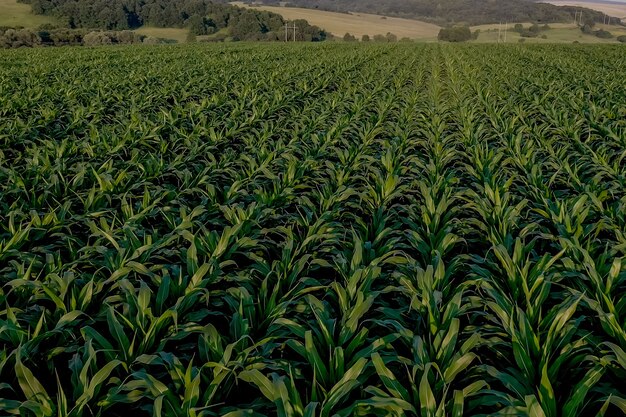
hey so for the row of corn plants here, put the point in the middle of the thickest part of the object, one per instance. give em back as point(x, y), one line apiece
point(313, 230)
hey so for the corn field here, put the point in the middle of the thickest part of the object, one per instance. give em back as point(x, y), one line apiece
point(313, 231)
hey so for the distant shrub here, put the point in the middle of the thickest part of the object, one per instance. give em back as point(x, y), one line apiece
point(603, 34)
point(126, 37)
point(455, 34)
point(97, 38)
point(17, 38)
point(521, 40)
point(587, 28)
point(151, 40)
point(365, 38)
point(622, 38)
point(349, 38)
point(531, 32)
point(544, 36)
point(528, 34)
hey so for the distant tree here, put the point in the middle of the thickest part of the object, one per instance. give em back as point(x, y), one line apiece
point(622, 38)
point(603, 34)
point(349, 38)
point(45, 38)
point(365, 38)
point(304, 31)
point(197, 25)
point(476, 34)
point(191, 37)
point(455, 34)
point(128, 37)
point(518, 27)
point(67, 36)
point(391, 37)
point(531, 32)
point(97, 38)
point(380, 38)
point(17, 38)
point(151, 40)
point(526, 33)
point(587, 28)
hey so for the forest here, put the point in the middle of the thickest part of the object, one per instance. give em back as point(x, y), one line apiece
point(202, 17)
point(472, 12)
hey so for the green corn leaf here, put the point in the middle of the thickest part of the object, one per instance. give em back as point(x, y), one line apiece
point(255, 377)
point(428, 404)
point(546, 394)
point(389, 380)
point(96, 383)
point(457, 366)
point(573, 404)
point(457, 405)
point(68, 318)
point(532, 407)
point(342, 388)
point(31, 387)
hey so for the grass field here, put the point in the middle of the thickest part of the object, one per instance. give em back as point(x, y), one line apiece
point(15, 14)
point(177, 34)
point(558, 33)
point(358, 24)
point(313, 230)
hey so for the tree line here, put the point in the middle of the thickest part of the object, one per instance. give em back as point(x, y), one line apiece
point(48, 36)
point(202, 17)
point(446, 12)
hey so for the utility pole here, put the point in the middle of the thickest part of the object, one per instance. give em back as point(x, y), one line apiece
point(499, 31)
point(287, 27)
point(506, 28)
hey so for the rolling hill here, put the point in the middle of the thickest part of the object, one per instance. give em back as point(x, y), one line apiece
point(357, 24)
point(444, 12)
point(13, 14)
point(610, 8)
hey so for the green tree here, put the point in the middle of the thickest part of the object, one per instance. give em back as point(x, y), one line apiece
point(380, 38)
point(455, 34)
point(349, 38)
